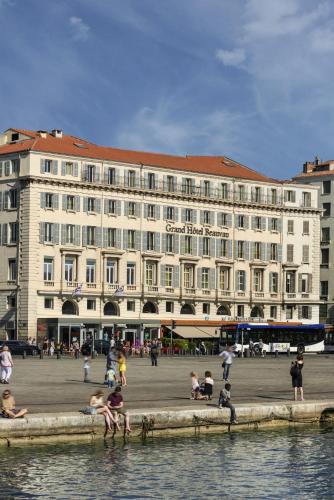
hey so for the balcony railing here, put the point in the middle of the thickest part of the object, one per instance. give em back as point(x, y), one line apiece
point(49, 283)
point(190, 291)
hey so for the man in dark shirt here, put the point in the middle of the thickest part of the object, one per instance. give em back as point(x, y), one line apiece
point(154, 353)
point(116, 404)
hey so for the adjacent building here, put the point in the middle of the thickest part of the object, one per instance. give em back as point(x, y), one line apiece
point(98, 239)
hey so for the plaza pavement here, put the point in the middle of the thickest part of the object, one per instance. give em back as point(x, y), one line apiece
point(51, 385)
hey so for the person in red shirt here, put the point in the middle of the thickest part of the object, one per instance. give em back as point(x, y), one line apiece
point(116, 404)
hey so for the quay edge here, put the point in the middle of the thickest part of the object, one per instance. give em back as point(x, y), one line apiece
point(52, 428)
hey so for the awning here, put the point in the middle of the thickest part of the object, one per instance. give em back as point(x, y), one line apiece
point(197, 332)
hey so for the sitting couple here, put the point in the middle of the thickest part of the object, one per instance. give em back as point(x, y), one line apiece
point(111, 410)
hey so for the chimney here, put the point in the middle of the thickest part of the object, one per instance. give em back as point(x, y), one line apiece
point(57, 133)
point(308, 167)
point(42, 133)
point(317, 160)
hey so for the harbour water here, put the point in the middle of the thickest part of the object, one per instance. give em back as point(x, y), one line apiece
point(295, 463)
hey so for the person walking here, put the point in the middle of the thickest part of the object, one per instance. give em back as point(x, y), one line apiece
point(228, 356)
point(86, 368)
point(225, 402)
point(297, 377)
point(154, 353)
point(6, 363)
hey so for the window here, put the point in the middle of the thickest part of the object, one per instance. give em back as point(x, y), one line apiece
point(206, 308)
point(273, 224)
point(12, 198)
point(304, 283)
point(111, 271)
point(224, 190)
point(169, 307)
point(150, 240)
point(306, 199)
point(206, 246)
point(290, 196)
point(205, 278)
point(241, 249)
point(324, 288)
point(326, 187)
point(91, 235)
point(240, 311)
point(258, 280)
point(273, 196)
point(111, 207)
point(90, 271)
point(151, 211)
point(305, 312)
point(241, 221)
point(131, 209)
point(289, 312)
point(151, 180)
point(188, 244)
point(257, 250)
point(48, 303)
point(12, 270)
point(206, 217)
point(90, 173)
point(169, 276)
point(273, 312)
point(69, 269)
point(48, 232)
point(131, 239)
point(241, 281)
point(70, 233)
point(188, 276)
point(305, 254)
point(273, 251)
point(188, 186)
point(11, 302)
point(131, 178)
point(240, 192)
point(91, 304)
point(257, 194)
point(151, 273)
point(130, 305)
point(289, 253)
point(325, 235)
point(290, 226)
point(258, 223)
point(306, 227)
point(170, 187)
point(223, 248)
point(188, 215)
point(324, 256)
point(69, 168)
point(224, 278)
point(111, 176)
point(111, 237)
point(206, 188)
point(47, 166)
point(91, 204)
point(290, 282)
point(169, 243)
point(223, 219)
point(131, 273)
point(326, 209)
point(273, 285)
point(70, 202)
point(48, 269)
point(170, 213)
point(12, 227)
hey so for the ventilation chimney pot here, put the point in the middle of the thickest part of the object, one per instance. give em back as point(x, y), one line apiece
point(42, 133)
point(57, 133)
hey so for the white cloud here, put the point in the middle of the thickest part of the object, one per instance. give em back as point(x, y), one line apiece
point(80, 29)
point(233, 57)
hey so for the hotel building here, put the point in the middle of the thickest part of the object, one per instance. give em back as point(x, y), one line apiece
point(101, 239)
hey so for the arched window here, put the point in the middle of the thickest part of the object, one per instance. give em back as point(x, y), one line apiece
point(187, 309)
point(149, 307)
point(257, 312)
point(110, 309)
point(223, 310)
point(69, 308)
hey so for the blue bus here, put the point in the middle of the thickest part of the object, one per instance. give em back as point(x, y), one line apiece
point(276, 337)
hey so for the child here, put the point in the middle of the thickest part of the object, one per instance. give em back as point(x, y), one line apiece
point(195, 389)
point(225, 402)
point(122, 368)
point(86, 367)
point(207, 386)
point(110, 378)
point(8, 406)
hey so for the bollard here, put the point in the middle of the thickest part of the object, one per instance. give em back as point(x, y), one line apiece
point(24, 355)
point(276, 353)
point(288, 352)
point(41, 353)
point(58, 355)
point(94, 354)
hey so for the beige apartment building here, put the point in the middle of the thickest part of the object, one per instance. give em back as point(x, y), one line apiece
point(97, 239)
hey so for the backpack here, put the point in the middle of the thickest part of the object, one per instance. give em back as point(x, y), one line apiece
point(294, 371)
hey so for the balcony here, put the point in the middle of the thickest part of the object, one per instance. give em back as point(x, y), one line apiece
point(91, 285)
point(224, 293)
point(154, 289)
point(241, 294)
point(291, 295)
point(131, 288)
point(49, 283)
point(206, 292)
point(169, 289)
point(259, 294)
point(71, 284)
point(189, 291)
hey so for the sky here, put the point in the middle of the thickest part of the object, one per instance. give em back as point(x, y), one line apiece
point(249, 79)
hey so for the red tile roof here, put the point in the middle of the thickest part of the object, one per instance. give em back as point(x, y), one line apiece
point(70, 146)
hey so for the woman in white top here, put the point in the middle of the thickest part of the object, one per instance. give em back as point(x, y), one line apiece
point(97, 406)
point(6, 364)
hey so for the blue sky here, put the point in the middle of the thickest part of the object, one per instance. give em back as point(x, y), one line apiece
point(249, 79)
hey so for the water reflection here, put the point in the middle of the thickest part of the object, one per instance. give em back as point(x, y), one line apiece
point(266, 464)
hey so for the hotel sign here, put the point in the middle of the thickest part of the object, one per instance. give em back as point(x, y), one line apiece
point(195, 231)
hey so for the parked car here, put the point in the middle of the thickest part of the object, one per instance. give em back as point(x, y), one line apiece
point(21, 346)
point(100, 346)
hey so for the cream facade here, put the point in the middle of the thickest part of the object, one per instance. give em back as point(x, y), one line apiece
point(107, 245)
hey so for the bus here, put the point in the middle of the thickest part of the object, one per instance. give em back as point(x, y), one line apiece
point(276, 337)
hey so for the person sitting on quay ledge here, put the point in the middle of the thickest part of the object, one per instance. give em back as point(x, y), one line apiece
point(97, 407)
point(8, 406)
point(116, 404)
point(225, 402)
